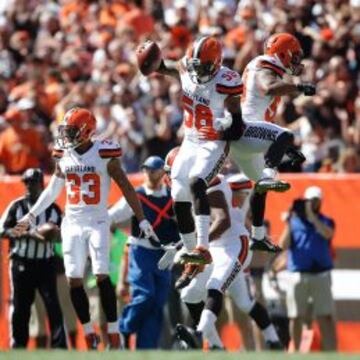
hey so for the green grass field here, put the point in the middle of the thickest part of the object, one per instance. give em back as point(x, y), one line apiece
point(165, 355)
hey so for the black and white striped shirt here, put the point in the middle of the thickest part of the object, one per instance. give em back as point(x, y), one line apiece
point(25, 247)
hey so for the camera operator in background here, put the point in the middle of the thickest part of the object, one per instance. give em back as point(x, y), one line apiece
point(307, 237)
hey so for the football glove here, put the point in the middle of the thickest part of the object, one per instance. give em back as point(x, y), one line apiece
point(307, 89)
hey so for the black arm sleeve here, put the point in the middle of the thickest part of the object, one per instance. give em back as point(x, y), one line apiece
point(9, 221)
point(235, 131)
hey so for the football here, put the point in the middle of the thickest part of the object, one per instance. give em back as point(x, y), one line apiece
point(148, 57)
point(50, 232)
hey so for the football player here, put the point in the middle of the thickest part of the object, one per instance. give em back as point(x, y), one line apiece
point(211, 98)
point(85, 167)
point(263, 144)
point(229, 247)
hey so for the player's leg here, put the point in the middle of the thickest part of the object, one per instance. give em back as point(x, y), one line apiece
point(240, 293)
point(194, 295)
point(75, 250)
point(210, 157)
point(99, 248)
point(226, 267)
point(180, 193)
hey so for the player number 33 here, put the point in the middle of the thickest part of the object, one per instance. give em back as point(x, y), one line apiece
point(75, 195)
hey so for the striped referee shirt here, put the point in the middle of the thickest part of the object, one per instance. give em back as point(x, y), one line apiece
point(26, 247)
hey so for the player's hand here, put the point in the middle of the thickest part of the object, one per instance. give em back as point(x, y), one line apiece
point(208, 133)
point(24, 224)
point(307, 89)
point(167, 260)
point(149, 232)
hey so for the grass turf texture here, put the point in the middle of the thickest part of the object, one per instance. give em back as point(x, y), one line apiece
point(167, 355)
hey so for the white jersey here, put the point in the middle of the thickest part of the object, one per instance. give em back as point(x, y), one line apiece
point(255, 105)
point(237, 228)
point(86, 178)
point(203, 103)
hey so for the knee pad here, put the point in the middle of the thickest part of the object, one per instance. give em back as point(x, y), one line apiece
point(214, 301)
point(198, 189)
point(278, 148)
point(197, 186)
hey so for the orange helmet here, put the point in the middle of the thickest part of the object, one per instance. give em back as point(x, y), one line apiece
point(203, 59)
point(77, 127)
point(287, 49)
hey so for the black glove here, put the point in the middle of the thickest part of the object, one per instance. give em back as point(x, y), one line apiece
point(307, 89)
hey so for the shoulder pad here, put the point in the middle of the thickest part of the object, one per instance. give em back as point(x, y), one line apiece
point(229, 82)
point(265, 64)
point(108, 149)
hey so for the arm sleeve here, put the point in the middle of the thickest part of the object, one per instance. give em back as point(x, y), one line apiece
point(235, 131)
point(120, 212)
point(48, 196)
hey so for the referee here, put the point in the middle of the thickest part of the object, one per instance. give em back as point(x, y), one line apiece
point(32, 264)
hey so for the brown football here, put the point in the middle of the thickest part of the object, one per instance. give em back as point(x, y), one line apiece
point(148, 57)
point(49, 231)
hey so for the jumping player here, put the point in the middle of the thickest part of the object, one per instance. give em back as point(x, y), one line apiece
point(229, 247)
point(211, 99)
point(263, 144)
point(85, 167)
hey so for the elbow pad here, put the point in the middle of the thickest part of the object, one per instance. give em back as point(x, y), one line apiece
point(235, 131)
point(48, 196)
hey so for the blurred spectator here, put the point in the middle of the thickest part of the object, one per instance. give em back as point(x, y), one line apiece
point(307, 238)
point(82, 52)
point(21, 144)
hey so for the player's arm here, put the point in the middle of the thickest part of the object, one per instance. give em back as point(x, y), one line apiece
point(273, 85)
point(169, 68)
point(47, 197)
point(219, 214)
point(119, 176)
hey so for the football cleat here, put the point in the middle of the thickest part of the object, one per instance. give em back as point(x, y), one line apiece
point(264, 245)
point(92, 341)
point(114, 341)
point(193, 339)
point(274, 345)
point(268, 184)
point(190, 271)
point(199, 255)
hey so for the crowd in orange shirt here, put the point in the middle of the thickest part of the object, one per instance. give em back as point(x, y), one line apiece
point(61, 53)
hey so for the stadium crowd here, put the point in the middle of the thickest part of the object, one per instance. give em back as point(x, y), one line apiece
point(57, 54)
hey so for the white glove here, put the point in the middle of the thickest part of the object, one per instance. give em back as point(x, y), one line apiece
point(23, 225)
point(223, 123)
point(148, 231)
point(167, 260)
